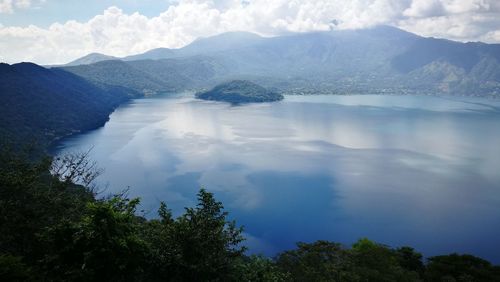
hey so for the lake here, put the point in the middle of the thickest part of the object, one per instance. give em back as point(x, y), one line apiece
point(401, 170)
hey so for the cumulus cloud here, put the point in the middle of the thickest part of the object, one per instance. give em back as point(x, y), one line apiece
point(117, 33)
point(463, 20)
point(425, 8)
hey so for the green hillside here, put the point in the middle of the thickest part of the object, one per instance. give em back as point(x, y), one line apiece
point(41, 105)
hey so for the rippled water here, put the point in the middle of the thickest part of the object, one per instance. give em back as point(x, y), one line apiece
point(401, 170)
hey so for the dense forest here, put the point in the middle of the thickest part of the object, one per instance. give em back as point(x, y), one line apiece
point(54, 226)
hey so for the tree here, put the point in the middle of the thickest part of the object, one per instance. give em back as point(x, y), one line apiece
point(29, 203)
point(164, 253)
point(13, 269)
point(410, 259)
point(76, 168)
point(318, 261)
point(258, 268)
point(104, 245)
point(206, 243)
point(377, 262)
point(455, 267)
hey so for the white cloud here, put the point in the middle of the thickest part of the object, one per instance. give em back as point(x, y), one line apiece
point(492, 36)
point(463, 20)
point(117, 33)
point(8, 6)
point(425, 8)
point(465, 6)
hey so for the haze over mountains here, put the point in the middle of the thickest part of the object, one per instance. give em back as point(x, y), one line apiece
point(377, 60)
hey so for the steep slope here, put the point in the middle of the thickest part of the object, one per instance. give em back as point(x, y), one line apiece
point(42, 105)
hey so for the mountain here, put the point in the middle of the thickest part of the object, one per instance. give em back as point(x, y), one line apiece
point(42, 105)
point(218, 43)
point(382, 59)
point(154, 54)
point(185, 73)
point(90, 59)
point(471, 68)
point(202, 46)
point(238, 92)
point(120, 73)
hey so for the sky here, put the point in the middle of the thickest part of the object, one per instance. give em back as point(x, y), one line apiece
point(59, 31)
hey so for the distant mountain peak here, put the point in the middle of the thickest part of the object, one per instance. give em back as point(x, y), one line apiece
point(28, 64)
point(90, 59)
point(30, 68)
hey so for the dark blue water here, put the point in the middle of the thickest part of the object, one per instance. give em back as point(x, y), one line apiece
point(419, 171)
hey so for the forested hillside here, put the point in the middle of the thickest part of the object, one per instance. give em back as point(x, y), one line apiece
point(40, 105)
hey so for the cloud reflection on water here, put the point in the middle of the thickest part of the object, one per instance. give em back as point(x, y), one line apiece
point(401, 170)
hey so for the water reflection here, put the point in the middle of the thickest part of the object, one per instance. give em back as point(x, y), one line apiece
point(401, 170)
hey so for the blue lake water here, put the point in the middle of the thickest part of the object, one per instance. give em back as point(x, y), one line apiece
point(400, 170)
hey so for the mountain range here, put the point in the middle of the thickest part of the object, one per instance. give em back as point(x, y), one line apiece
point(378, 60)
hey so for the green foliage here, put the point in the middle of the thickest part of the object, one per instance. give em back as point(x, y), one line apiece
point(327, 261)
point(376, 262)
point(206, 242)
point(108, 229)
point(32, 200)
point(163, 255)
point(410, 260)
point(319, 261)
point(455, 267)
point(258, 268)
point(199, 245)
point(13, 269)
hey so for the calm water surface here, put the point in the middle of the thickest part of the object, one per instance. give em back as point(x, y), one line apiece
point(419, 171)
